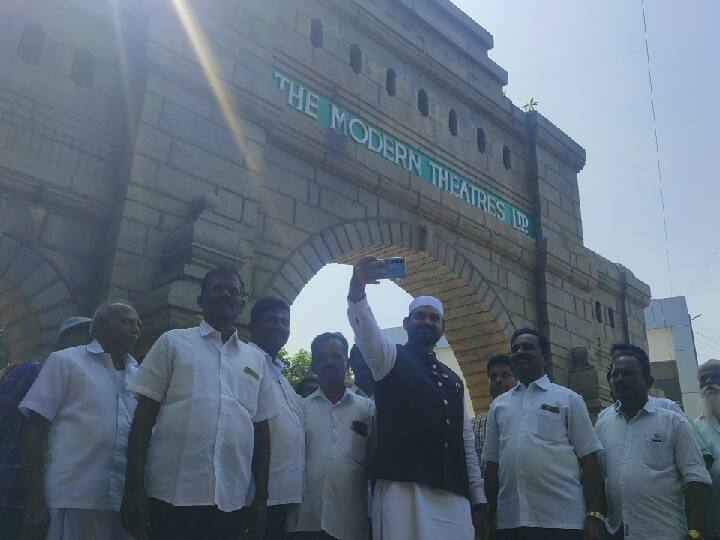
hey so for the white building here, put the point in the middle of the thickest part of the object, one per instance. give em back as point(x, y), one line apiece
point(444, 354)
point(671, 341)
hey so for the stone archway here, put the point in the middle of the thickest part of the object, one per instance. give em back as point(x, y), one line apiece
point(34, 300)
point(477, 325)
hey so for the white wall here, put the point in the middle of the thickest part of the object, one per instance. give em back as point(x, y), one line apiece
point(670, 337)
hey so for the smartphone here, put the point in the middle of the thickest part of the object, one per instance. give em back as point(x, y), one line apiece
point(394, 268)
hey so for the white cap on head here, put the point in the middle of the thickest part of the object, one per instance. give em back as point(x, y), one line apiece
point(430, 301)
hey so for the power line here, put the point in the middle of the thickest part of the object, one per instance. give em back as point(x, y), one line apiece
point(707, 265)
point(657, 149)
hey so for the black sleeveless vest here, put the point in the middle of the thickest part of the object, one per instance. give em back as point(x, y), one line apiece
point(420, 424)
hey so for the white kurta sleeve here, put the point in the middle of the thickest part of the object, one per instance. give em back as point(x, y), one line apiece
point(47, 393)
point(477, 487)
point(491, 446)
point(378, 350)
point(152, 378)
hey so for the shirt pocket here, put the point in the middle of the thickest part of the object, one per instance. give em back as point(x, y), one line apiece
point(549, 425)
point(657, 455)
point(247, 388)
point(355, 442)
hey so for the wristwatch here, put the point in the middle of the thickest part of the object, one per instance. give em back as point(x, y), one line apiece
point(694, 534)
point(596, 515)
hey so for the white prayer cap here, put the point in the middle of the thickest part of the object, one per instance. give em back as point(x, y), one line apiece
point(430, 301)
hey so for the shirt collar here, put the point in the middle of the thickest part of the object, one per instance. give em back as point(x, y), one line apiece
point(543, 383)
point(422, 355)
point(272, 361)
point(348, 395)
point(94, 347)
point(206, 330)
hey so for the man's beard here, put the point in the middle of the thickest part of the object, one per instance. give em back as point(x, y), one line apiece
point(711, 399)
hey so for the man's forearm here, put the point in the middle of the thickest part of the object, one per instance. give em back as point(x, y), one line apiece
point(138, 442)
point(33, 457)
point(592, 483)
point(261, 459)
point(696, 496)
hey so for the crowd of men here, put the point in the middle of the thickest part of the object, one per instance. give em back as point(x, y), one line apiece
point(207, 439)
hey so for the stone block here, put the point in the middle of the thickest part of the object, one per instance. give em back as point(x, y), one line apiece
point(278, 206)
point(334, 183)
point(189, 158)
point(284, 181)
point(152, 142)
point(336, 204)
point(313, 220)
point(180, 185)
point(51, 296)
point(131, 236)
point(283, 234)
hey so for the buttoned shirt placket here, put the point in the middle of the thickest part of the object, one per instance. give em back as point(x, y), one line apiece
point(335, 445)
point(124, 417)
point(528, 408)
point(627, 446)
point(224, 358)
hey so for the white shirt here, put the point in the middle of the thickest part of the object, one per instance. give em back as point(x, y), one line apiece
point(336, 446)
point(287, 438)
point(83, 396)
point(210, 394)
point(660, 403)
point(537, 434)
point(648, 462)
point(380, 354)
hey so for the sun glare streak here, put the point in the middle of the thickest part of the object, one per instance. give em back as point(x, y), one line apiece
point(204, 53)
point(124, 72)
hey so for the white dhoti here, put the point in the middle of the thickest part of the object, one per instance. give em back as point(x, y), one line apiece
point(79, 524)
point(405, 510)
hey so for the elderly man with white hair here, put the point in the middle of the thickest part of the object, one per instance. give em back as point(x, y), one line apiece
point(78, 419)
point(425, 468)
point(708, 425)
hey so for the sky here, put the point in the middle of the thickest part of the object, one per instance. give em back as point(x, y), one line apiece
point(585, 63)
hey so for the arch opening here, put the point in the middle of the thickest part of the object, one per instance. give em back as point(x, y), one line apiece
point(476, 325)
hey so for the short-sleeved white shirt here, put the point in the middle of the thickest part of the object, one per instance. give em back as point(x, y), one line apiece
point(83, 396)
point(287, 437)
point(648, 461)
point(537, 434)
point(336, 476)
point(210, 393)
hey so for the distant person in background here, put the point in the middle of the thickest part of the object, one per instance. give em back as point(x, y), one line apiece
point(709, 428)
point(500, 379)
point(338, 425)
point(14, 384)
point(363, 382)
point(307, 386)
point(542, 475)
point(78, 418)
point(269, 332)
point(655, 478)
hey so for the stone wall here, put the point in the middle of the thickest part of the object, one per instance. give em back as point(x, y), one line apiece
point(194, 159)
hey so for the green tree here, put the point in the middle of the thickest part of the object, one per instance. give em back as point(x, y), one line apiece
point(298, 365)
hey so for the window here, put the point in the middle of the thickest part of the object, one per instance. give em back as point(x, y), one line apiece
point(598, 312)
point(452, 122)
point(31, 43)
point(507, 158)
point(83, 68)
point(355, 58)
point(316, 33)
point(423, 106)
point(390, 85)
point(611, 318)
point(481, 142)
